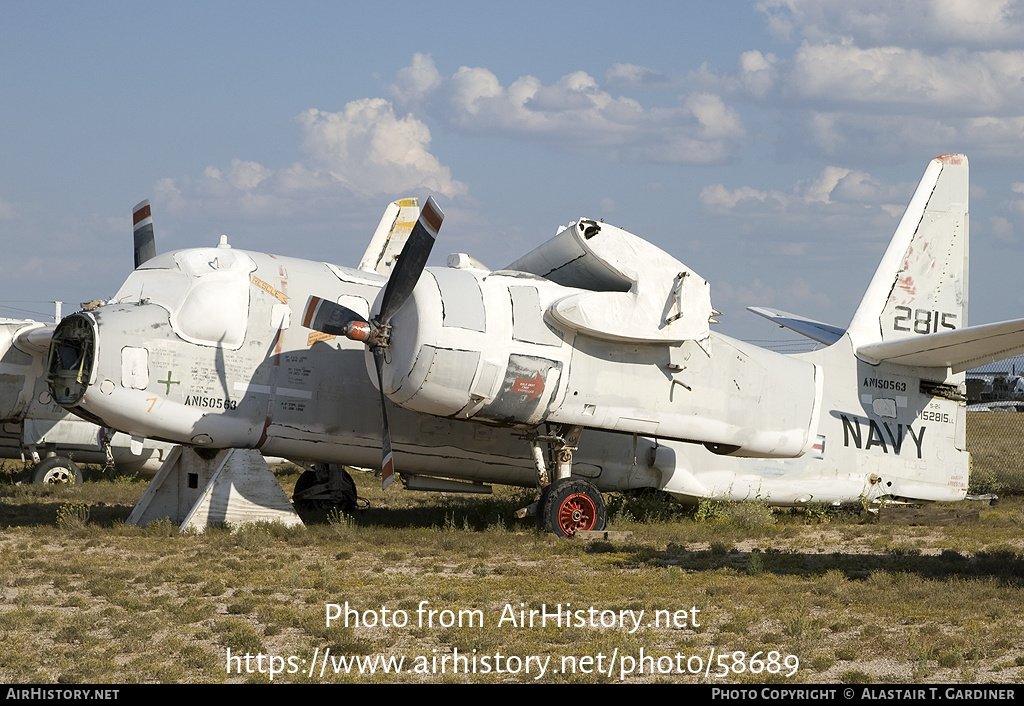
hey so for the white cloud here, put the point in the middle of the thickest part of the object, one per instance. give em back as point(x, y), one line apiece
point(718, 199)
point(416, 80)
point(715, 118)
point(820, 190)
point(574, 113)
point(834, 74)
point(996, 131)
point(834, 185)
point(364, 150)
point(1017, 202)
point(872, 79)
point(812, 238)
point(858, 187)
point(1003, 230)
point(758, 73)
point(244, 176)
point(633, 76)
point(952, 81)
point(977, 23)
point(370, 151)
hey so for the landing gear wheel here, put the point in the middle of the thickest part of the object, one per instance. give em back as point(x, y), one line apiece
point(57, 469)
point(571, 504)
point(346, 502)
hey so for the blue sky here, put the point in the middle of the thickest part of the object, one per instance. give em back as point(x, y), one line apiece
point(771, 146)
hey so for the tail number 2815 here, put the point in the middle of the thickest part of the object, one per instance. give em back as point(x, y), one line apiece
point(922, 320)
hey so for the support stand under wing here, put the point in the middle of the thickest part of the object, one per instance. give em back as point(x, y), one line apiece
point(235, 486)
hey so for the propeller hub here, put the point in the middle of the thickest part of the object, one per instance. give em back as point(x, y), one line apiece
point(358, 331)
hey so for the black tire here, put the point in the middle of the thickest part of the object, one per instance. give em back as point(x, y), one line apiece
point(347, 505)
point(572, 504)
point(57, 469)
point(306, 481)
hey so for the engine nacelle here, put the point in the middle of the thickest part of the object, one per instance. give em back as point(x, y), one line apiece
point(472, 344)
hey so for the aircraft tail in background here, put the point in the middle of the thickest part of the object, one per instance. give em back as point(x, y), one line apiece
point(920, 287)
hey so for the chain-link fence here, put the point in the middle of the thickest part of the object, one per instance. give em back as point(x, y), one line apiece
point(995, 426)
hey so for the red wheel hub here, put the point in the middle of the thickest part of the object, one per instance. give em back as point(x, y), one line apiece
point(577, 512)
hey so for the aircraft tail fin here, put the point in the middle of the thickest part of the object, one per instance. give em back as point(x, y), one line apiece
point(145, 242)
point(915, 310)
point(920, 287)
point(389, 238)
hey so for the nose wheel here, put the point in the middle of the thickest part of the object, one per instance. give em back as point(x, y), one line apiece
point(570, 505)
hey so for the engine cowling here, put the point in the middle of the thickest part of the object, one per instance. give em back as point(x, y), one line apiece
point(470, 344)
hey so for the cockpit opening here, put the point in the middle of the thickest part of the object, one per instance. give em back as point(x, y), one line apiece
point(72, 351)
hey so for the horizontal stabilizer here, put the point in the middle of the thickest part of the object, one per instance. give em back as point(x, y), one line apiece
point(815, 330)
point(960, 350)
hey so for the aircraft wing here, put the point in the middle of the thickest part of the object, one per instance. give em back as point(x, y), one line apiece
point(815, 330)
point(960, 350)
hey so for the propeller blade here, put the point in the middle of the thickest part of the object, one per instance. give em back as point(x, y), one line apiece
point(387, 464)
point(411, 262)
point(329, 317)
point(145, 242)
point(332, 318)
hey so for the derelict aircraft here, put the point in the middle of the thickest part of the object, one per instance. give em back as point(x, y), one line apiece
point(33, 427)
point(586, 366)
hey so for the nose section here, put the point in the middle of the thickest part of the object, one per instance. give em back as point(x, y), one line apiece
point(72, 357)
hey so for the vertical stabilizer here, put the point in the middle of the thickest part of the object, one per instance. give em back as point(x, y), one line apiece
point(145, 242)
point(389, 238)
point(920, 287)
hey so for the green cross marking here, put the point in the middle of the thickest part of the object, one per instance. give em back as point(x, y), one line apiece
point(169, 382)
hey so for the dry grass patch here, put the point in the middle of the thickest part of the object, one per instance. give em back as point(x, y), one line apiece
point(89, 599)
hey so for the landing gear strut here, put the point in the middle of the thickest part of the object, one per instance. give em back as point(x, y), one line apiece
point(567, 505)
